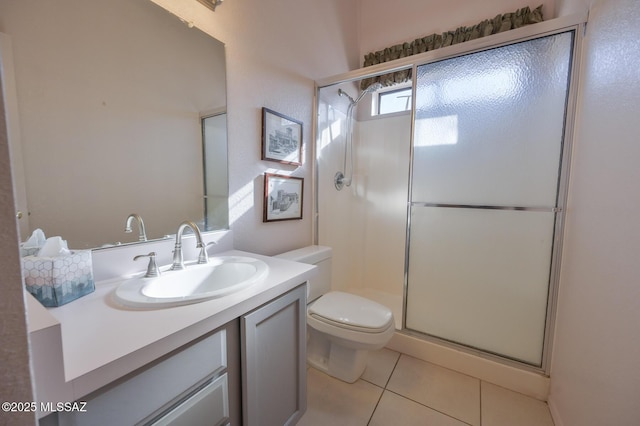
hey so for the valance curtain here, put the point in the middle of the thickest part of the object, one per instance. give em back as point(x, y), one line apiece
point(500, 23)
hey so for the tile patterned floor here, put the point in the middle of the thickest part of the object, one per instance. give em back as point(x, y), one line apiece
point(400, 390)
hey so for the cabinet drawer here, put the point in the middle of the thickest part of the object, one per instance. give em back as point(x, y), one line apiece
point(144, 392)
point(209, 406)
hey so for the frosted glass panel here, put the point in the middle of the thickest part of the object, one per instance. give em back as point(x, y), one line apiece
point(489, 125)
point(480, 278)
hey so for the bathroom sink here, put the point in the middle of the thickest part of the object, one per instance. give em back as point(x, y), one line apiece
point(222, 276)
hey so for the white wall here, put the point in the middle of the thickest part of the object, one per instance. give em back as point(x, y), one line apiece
point(340, 214)
point(338, 224)
point(570, 7)
point(595, 376)
point(275, 51)
point(365, 224)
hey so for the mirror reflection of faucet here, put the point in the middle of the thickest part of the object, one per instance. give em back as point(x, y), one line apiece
point(178, 261)
point(142, 233)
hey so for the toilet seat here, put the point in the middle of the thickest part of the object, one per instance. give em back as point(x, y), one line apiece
point(351, 312)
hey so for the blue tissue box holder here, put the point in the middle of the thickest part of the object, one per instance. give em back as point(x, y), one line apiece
point(55, 281)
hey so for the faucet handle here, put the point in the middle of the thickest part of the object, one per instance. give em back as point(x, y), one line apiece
point(152, 268)
point(203, 257)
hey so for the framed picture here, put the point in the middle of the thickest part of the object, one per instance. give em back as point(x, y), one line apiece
point(281, 138)
point(282, 197)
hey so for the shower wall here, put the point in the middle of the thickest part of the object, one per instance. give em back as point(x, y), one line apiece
point(383, 164)
point(338, 211)
point(365, 224)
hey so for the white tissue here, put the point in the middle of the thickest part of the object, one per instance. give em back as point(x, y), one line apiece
point(54, 246)
point(37, 239)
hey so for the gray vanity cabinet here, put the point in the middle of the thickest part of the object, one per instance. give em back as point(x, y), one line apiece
point(251, 371)
point(273, 353)
point(195, 382)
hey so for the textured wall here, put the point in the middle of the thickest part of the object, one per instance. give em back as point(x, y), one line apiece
point(595, 377)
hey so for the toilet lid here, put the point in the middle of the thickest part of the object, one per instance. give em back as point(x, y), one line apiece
point(350, 311)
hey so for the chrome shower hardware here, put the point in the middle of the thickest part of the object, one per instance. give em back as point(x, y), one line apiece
point(339, 179)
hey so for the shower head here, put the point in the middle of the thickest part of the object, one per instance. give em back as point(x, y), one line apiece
point(370, 89)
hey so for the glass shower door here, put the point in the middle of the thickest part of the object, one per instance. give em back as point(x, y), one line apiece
point(487, 155)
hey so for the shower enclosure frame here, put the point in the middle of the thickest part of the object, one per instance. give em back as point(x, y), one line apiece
point(575, 23)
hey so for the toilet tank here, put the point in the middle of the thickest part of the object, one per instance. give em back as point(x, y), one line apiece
point(314, 255)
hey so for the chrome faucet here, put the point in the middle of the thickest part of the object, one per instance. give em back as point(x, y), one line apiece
point(178, 261)
point(141, 231)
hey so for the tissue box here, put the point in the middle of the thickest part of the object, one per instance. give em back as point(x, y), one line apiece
point(55, 281)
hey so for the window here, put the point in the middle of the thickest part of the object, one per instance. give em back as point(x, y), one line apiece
point(394, 101)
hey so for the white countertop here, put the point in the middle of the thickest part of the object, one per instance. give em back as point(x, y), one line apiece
point(102, 340)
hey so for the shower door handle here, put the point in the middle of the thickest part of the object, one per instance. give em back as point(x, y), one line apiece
point(486, 207)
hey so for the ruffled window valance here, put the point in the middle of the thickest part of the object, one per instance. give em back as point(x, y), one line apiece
point(500, 23)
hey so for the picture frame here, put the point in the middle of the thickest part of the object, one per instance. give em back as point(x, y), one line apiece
point(282, 197)
point(281, 138)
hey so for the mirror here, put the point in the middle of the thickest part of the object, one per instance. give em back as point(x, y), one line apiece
point(114, 99)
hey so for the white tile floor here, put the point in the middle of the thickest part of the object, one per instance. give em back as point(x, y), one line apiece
point(404, 391)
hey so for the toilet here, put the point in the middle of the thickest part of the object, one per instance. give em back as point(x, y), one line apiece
point(342, 327)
